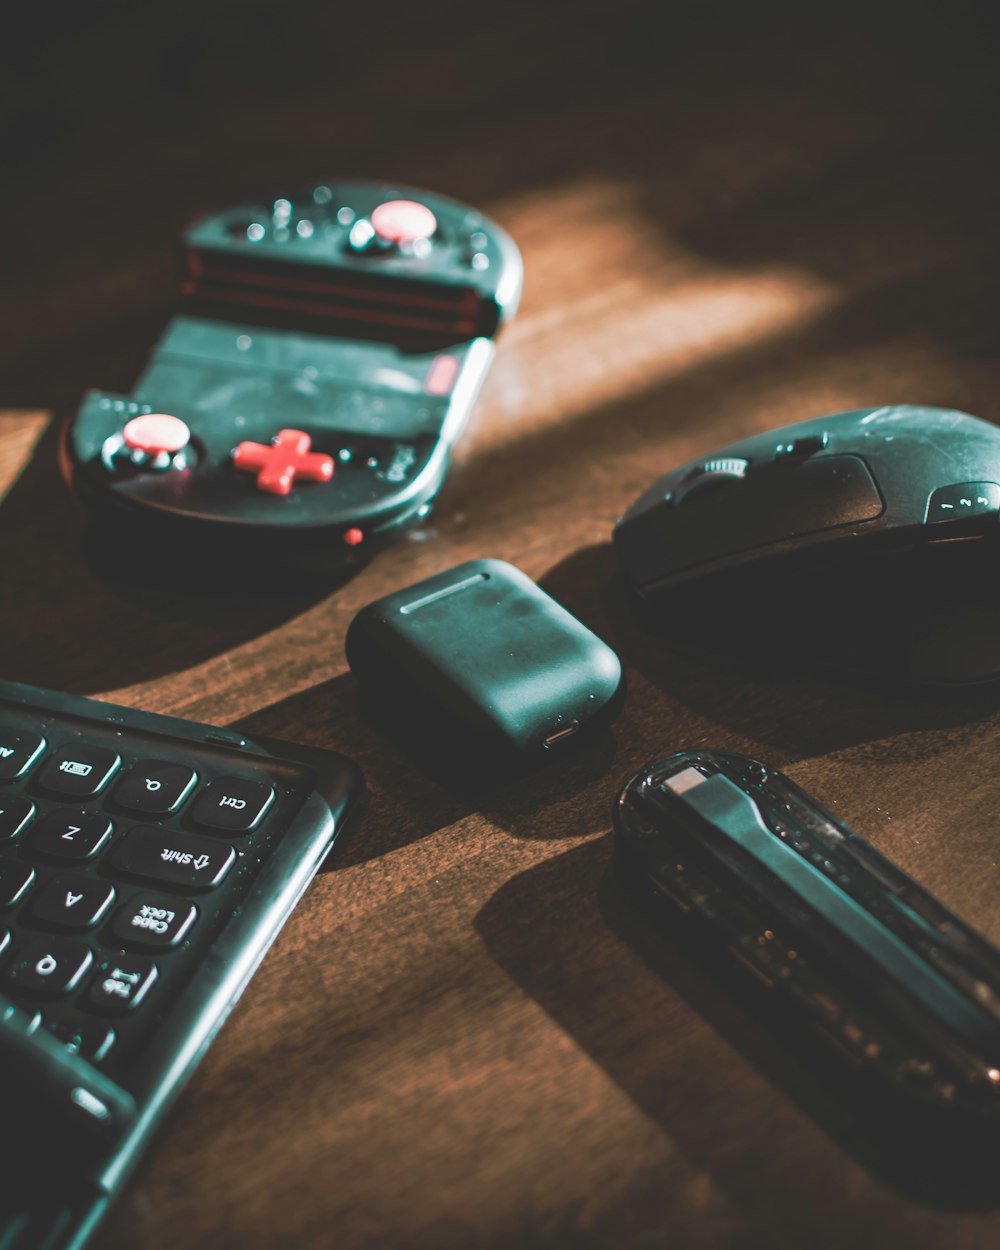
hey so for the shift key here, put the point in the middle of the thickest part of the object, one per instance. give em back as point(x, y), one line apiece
point(165, 858)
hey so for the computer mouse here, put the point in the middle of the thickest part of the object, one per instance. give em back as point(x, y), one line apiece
point(869, 537)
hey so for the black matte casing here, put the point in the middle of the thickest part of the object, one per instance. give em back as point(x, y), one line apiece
point(377, 358)
point(844, 942)
point(55, 1205)
point(484, 664)
point(834, 539)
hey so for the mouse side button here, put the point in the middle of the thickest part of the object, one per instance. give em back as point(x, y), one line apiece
point(950, 504)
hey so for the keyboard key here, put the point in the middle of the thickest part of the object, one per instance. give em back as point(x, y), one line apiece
point(68, 834)
point(23, 1019)
point(68, 901)
point(165, 858)
point(14, 880)
point(123, 981)
point(155, 788)
point(232, 804)
point(14, 815)
point(80, 771)
point(18, 751)
point(149, 920)
point(50, 965)
point(92, 1039)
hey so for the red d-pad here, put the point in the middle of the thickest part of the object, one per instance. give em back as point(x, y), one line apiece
point(278, 463)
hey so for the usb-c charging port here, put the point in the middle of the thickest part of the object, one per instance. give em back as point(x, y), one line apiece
point(560, 734)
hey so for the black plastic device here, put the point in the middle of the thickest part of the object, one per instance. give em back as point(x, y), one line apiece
point(302, 406)
point(842, 938)
point(871, 536)
point(146, 864)
point(481, 665)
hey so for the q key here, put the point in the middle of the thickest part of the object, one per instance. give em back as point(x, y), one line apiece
point(155, 787)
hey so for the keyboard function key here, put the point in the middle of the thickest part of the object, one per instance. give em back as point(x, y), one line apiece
point(15, 812)
point(69, 901)
point(79, 771)
point(153, 921)
point(122, 983)
point(155, 788)
point(18, 751)
point(68, 834)
point(50, 965)
point(14, 881)
point(164, 858)
point(232, 804)
point(92, 1039)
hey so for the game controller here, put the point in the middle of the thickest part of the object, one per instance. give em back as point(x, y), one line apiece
point(304, 402)
point(869, 537)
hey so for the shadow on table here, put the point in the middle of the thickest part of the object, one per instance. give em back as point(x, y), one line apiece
point(681, 696)
point(728, 682)
point(411, 797)
point(687, 1040)
point(85, 621)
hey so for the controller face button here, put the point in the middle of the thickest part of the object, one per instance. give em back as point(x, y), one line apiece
point(279, 463)
point(156, 433)
point(361, 235)
point(403, 221)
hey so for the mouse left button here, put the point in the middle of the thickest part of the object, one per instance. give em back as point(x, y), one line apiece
point(736, 513)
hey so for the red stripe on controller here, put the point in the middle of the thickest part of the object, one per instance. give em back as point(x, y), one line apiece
point(441, 375)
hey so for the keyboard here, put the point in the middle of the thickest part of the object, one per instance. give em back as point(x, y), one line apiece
point(146, 864)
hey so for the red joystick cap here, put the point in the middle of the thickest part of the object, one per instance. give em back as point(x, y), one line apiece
point(403, 221)
point(155, 433)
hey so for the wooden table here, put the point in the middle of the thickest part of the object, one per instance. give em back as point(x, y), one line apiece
point(729, 222)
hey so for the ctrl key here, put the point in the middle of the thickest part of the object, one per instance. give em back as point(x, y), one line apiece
point(232, 804)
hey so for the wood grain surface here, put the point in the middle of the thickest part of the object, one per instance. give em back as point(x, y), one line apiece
point(731, 217)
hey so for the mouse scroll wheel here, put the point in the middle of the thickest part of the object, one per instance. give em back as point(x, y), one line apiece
point(710, 474)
